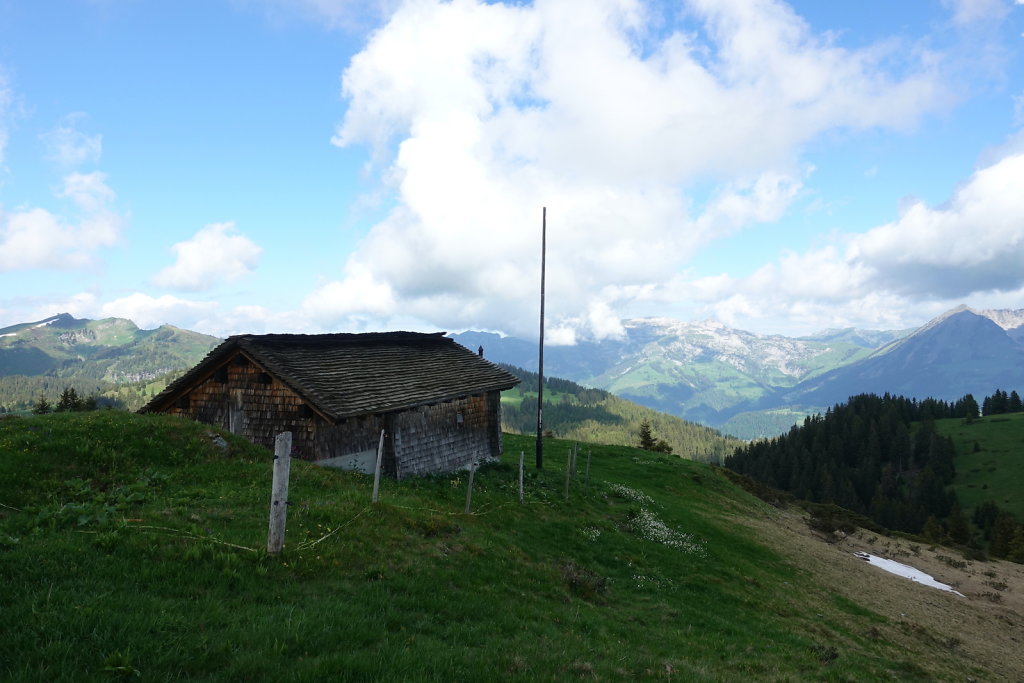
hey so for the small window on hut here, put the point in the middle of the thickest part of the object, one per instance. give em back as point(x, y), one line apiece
point(240, 361)
point(265, 378)
point(182, 403)
point(221, 375)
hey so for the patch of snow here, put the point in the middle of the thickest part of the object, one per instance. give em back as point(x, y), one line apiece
point(906, 572)
point(9, 334)
point(45, 323)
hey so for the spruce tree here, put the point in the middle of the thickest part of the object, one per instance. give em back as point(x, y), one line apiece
point(42, 406)
point(1002, 535)
point(970, 408)
point(69, 401)
point(1016, 553)
point(959, 530)
point(647, 441)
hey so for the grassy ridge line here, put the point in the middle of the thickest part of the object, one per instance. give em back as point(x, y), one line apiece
point(130, 547)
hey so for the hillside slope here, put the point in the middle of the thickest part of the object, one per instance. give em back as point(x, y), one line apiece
point(93, 356)
point(572, 411)
point(959, 353)
point(989, 465)
point(131, 549)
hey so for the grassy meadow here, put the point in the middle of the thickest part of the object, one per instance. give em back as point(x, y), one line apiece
point(132, 548)
point(990, 461)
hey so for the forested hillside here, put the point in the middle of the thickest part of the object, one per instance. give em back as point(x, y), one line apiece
point(885, 458)
point(109, 358)
point(572, 411)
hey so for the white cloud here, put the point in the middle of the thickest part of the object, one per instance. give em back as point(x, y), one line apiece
point(144, 310)
point(483, 113)
point(70, 147)
point(927, 260)
point(89, 191)
point(966, 12)
point(973, 243)
point(149, 312)
point(215, 253)
point(360, 293)
point(37, 238)
point(739, 204)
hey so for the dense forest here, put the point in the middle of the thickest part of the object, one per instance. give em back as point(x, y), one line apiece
point(20, 393)
point(572, 411)
point(1000, 403)
point(883, 458)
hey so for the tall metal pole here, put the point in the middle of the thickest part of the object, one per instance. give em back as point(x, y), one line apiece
point(540, 359)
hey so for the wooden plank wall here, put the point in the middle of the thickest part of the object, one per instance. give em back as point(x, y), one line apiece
point(353, 435)
point(245, 400)
point(434, 438)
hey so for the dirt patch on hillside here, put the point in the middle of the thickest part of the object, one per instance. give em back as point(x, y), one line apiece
point(976, 637)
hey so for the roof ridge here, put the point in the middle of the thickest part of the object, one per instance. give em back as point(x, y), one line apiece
point(335, 337)
point(351, 373)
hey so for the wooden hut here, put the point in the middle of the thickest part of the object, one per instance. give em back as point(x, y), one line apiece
point(437, 402)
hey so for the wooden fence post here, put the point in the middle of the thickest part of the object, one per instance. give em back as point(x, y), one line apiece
point(586, 479)
point(568, 473)
point(376, 470)
point(469, 488)
point(520, 477)
point(279, 491)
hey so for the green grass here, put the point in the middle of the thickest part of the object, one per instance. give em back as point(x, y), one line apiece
point(994, 469)
point(131, 547)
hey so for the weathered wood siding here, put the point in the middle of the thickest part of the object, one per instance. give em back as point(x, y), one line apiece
point(446, 436)
point(242, 398)
point(352, 436)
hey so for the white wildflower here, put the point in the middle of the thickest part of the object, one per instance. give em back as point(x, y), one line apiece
point(642, 582)
point(649, 526)
point(632, 494)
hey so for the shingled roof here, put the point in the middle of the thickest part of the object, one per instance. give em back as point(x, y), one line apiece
point(344, 375)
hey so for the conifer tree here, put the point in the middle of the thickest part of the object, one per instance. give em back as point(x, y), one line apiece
point(1016, 551)
point(42, 406)
point(1002, 535)
point(69, 401)
point(970, 408)
point(959, 531)
point(647, 441)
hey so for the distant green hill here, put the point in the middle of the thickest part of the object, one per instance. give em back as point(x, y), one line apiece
point(572, 411)
point(110, 356)
point(989, 461)
point(132, 548)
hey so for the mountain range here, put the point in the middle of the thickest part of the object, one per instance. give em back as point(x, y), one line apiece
point(745, 384)
point(113, 350)
point(93, 356)
point(751, 385)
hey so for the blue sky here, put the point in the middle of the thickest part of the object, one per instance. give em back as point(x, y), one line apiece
point(330, 165)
